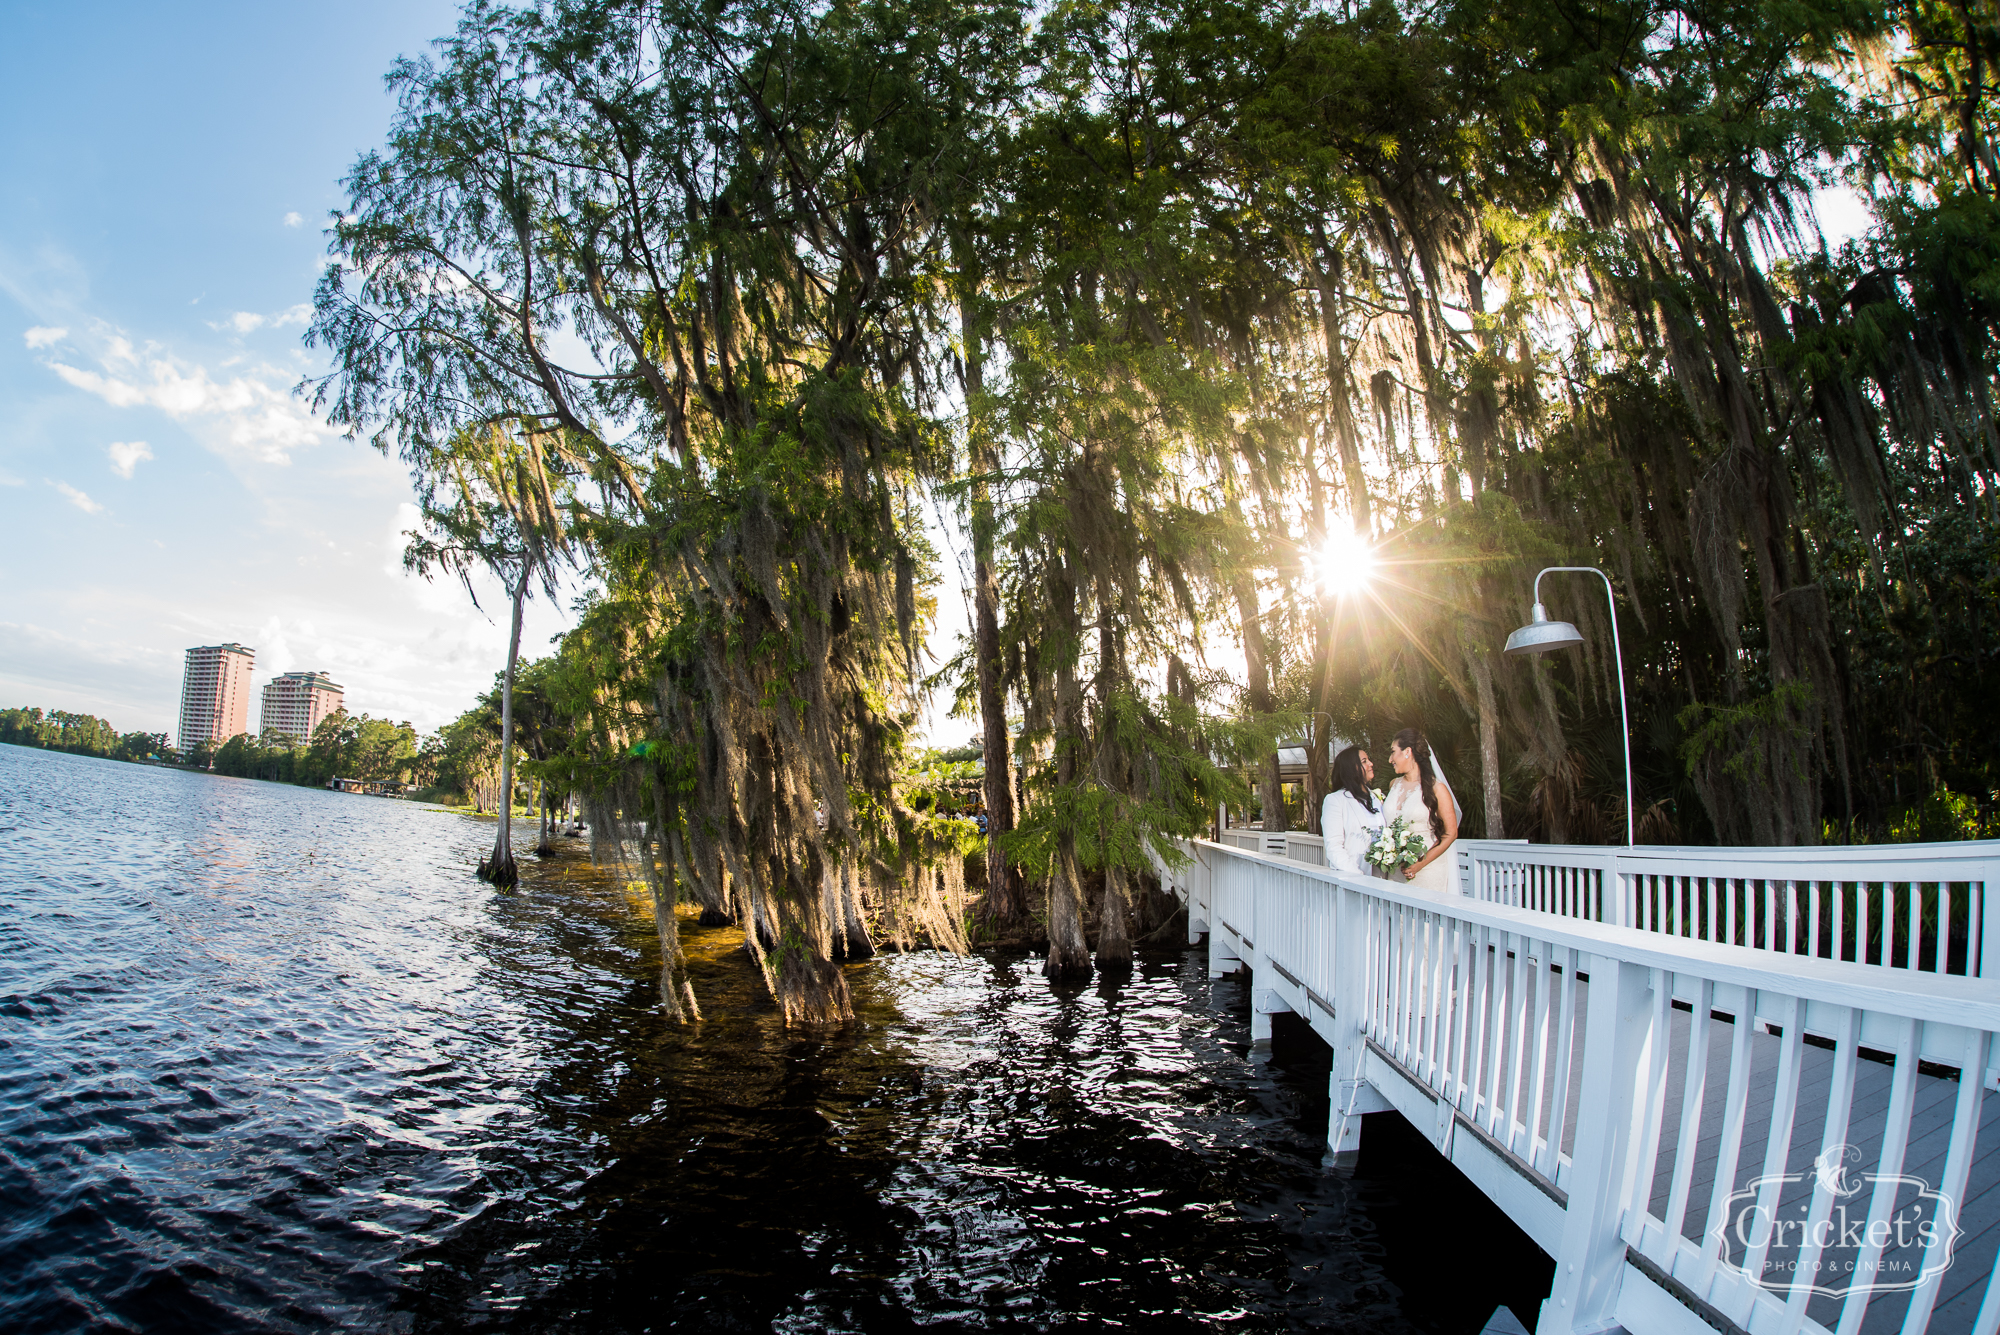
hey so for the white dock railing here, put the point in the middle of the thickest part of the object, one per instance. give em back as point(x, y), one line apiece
point(1898, 906)
point(1631, 1096)
point(1902, 906)
point(1294, 844)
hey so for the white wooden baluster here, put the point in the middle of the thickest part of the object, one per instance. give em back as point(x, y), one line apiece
point(1544, 1023)
point(1487, 1039)
point(1735, 1102)
point(1916, 923)
point(1694, 1091)
point(1565, 1045)
point(1981, 922)
point(1518, 1000)
point(1839, 950)
point(1777, 1149)
point(1973, 1059)
point(1590, 1259)
point(1465, 1004)
point(1839, 1105)
point(1653, 1112)
point(1888, 1173)
point(1812, 930)
point(1988, 1321)
point(1356, 947)
point(1447, 1006)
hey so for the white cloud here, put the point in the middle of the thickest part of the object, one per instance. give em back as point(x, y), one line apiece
point(405, 522)
point(127, 455)
point(42, 336)
point(293, 220)
point(274, 651)
point(244, 322)
point(7, 479)
point(255, 419)
point(78, 499)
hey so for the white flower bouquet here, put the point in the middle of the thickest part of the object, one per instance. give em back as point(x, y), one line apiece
point(1398, 845)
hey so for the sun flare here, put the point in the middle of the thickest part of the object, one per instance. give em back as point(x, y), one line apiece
point(1346, 563)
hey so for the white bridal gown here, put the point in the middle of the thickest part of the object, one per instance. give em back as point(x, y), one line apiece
point(1348, 828)
point(1406, 801)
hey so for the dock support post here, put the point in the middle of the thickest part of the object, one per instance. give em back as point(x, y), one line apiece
point(1199, 894)
point(1264, 1003)
point(1221, 958)
point(1590, 1262)
point(1348, 1091)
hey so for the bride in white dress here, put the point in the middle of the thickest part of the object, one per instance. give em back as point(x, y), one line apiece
point(1422, 797)
point(1350, 817)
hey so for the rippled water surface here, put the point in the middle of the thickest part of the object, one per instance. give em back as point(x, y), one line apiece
point(272, 1059)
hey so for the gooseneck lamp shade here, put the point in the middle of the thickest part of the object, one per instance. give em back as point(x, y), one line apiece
point(1541, 635)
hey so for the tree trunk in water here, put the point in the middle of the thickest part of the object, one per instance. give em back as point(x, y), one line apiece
point(813, 991)
point(859, 945)
point(1005, 894)
point(545, 842)
point(1114, 920)
point(501, 869)
point(1114, 928)
point(1069, 953)
point(676, 993)
point(1489, 744)
point(841, 904)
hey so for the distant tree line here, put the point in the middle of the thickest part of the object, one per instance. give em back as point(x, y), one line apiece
point(80, 734)
point(343, 746)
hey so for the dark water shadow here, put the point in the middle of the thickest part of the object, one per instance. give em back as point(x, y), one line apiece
point(278, 1062)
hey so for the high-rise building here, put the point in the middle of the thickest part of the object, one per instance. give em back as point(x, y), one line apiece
point(215, 694)
point(297, 702)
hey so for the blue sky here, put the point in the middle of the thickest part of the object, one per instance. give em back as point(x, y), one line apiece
point(168, 172)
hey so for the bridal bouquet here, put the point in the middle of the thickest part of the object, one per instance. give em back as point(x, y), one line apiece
point(1398, 845)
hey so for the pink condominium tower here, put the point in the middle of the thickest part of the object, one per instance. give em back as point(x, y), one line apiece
point(297, 702)
point(215, 694)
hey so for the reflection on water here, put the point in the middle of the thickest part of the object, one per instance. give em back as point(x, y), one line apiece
point(272, 1059)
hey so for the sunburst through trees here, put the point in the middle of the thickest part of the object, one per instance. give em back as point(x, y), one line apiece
point(1266, 352)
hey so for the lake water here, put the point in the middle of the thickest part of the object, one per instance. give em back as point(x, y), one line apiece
point(272, 1059)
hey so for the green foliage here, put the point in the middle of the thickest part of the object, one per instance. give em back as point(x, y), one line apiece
point(343, 746)
point(1178, 775)
point(80, 734)
point(719, 298)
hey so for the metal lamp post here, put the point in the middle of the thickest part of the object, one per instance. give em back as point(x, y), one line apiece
point(1541, 635)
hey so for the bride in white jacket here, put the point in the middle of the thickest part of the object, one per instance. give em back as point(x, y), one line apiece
point(1351, 816)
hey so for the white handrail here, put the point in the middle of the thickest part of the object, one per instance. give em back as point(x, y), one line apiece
point(1909, 907)
point(1641, 1080)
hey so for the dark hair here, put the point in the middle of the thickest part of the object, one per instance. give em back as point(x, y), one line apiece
point(1413, 741)
point(1347, 778)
